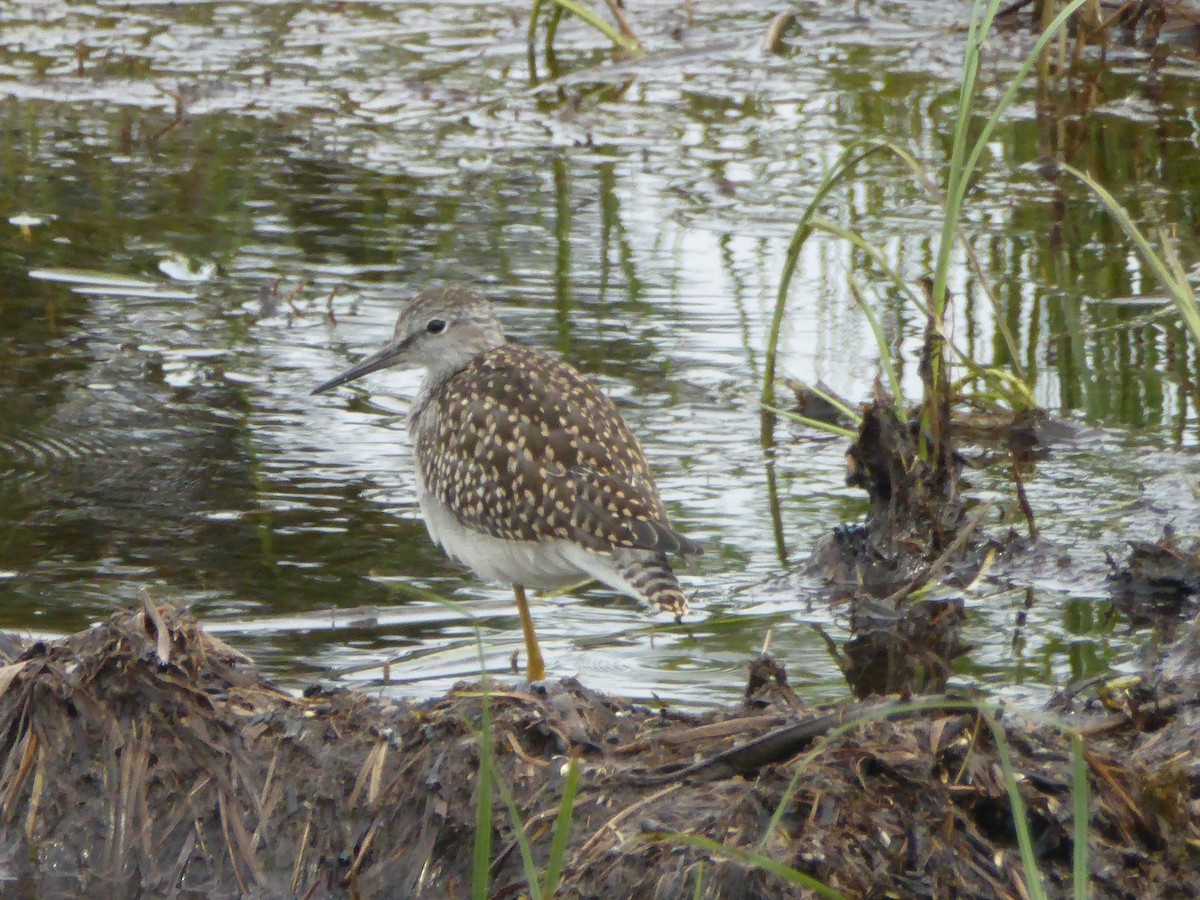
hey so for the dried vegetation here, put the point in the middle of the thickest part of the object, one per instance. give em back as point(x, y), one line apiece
point(145, 757)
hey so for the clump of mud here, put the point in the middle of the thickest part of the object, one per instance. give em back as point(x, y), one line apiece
point(144, 757)
point(904, 649)
point(918, 528)
point(1155, 581)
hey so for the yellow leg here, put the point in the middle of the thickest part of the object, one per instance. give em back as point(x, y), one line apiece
point(535, 668)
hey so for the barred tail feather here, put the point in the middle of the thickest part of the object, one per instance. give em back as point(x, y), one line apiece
point(642, 574)
point(651, 578)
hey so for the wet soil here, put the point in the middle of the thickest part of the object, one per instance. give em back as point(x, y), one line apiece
point(143, 756)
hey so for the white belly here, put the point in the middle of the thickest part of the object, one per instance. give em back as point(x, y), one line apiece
point(540, 565)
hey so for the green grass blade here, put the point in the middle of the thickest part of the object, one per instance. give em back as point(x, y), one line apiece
point(489, 777)
point(963, 164)
point(481, 856)
point(591, 17)
point(1079, 794)
point(874, 253)
point(827, 427)
point(1033, 876)
point(562, 829)
point(852, 414)
point(1016, 382)
point(481, 853)
point(1180, 290)
point(885, 352)
point(924, 180)
point(1017, 83)
point(855, 153)
point(751, 858)
point(514, 815)
point(961, 169)
point(1020, 389)
point(960, 175)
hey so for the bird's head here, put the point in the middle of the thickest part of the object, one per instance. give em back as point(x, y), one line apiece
point(440, 331)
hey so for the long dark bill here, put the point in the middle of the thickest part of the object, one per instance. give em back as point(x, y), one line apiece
point(380, 359)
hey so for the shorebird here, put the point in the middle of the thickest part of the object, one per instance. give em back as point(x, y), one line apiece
point(525, 470)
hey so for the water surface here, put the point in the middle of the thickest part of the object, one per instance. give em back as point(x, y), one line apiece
point(213, 207)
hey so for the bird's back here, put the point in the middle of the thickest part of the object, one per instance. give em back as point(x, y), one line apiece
point(518, 445)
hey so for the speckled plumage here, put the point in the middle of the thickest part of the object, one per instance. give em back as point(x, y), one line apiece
point(526, 471)
point(519, 445)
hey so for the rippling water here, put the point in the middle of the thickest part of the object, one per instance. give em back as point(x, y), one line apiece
point(214, 207)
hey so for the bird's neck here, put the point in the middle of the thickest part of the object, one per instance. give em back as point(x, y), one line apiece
point(437, 373)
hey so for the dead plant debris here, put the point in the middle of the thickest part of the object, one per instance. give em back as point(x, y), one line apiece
point(144, 757)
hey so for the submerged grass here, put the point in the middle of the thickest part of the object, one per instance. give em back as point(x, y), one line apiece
point(533, 878)
point(562, 830)
point(621, 36)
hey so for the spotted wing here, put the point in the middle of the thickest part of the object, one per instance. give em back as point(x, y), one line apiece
point(622, 510)
point(544, 453)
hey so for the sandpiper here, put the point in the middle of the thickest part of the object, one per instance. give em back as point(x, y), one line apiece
point(525, 470)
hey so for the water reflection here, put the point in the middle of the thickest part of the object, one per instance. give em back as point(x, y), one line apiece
point(156, 433)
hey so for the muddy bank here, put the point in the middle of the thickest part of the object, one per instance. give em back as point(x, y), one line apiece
point(144, 756)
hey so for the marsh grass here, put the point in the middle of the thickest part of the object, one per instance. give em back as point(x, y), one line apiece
point(965, 155)
point(543, 881)
point(1009, 385)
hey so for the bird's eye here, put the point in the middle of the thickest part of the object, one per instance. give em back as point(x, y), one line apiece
point(435, 326)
